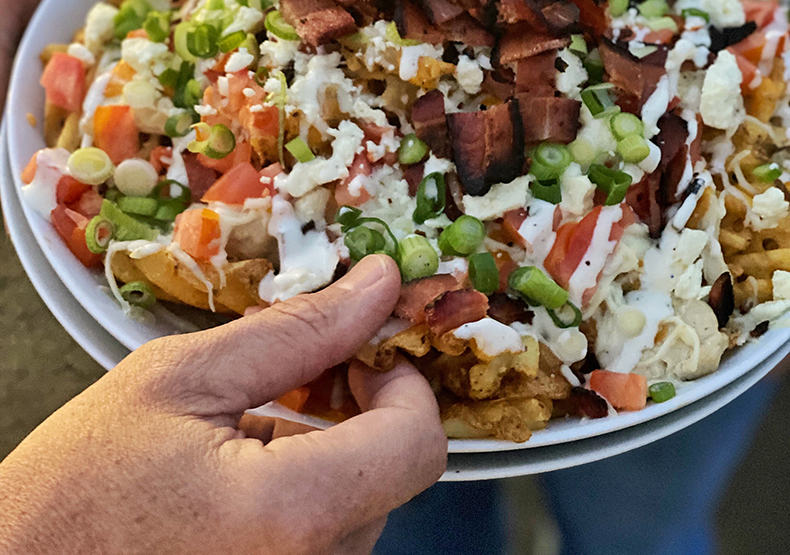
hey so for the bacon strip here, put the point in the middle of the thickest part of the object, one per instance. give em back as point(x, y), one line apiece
point(430, 123)
point(456, 308)
point(508, 311)
point(467, 30)
point(522, 41)
point(414, 24)
point(549, 119)
point(440, 11)
point(516, 11)
point(636, 77)
point(417, 295)
point(536, 75)
point(317, 22)
point(561, 17)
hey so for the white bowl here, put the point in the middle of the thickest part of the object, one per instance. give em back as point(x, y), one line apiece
point(55, 21)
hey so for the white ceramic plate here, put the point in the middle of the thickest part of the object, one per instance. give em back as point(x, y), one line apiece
point(85, 330)
point(56, 21)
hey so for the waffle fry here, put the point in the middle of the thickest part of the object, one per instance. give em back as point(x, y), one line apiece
point(506, 419)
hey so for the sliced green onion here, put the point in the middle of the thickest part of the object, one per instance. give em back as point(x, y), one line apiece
point(463, 237)
point(126, 227)
point(561, 316)
point(98, 234)
point(363, 241)
point(231, 42)
point(549, 161)
point(299, 149)
point(537, 288)
point(483, 273)
point(593, 63)
point(280, 101)
point(202, 41)
point(412, 150)
point(169, 78)
point(643, 51)
point(138, 206)
point(695, 12)
point(347, 216)
point(130, 17)
point(548, 191)
point(661, 392)
point(180, 42)
point(653, 8)
point(431, 198)
point(625, 124)
point(261, 75)
point(219, 142)
point(90, 165)
point(136, 177)
point(612, 182)
point(278, 27)
point(598, 100)
point(618, 7)
point(168, 210)
point(393, 35)
point(112, 195)
point(578, 45)
point(254, 48)
point(137, 293)
point(662, 23)
point(583, 151)
point(157, 25)
point(418, 259)
point(184, 89)
point(179, 126)
point(768, 173)
point(215, 5)
point(633, 149)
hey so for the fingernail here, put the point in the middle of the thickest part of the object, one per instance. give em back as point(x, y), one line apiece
point(367, 273)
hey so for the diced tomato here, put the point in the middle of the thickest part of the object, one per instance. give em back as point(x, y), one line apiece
point(197, 232)
point(241, 183)
point(623, 391)
point(29, 173)
point(70, 190)
point(574, 239)
point(137, 34)
point(748, 70)
point(760, 11)
point(296, 399)
point(506, 266)
point(156, 157)
point(751, 48)
point(89, 203)
point(343, 196)
point(511, 225)
point(64, 81)
point(115, 132)
point(662, 36)
point(266, 122)
point(71, 227)
point(242, 153)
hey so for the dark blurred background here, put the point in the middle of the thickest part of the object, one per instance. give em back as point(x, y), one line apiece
point(41, 368)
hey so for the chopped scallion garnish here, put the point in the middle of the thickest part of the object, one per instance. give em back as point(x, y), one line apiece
point(98, 234)
point(138, 293)
point(278, 27)
point(618, 7)
point(612, 182)
point(653, 8)
point(633, 149)
point(138, 206)
point(126, 227)
point(231, 42)
point(179, 126)
point(393, 35)
point(549, 161)
point(661, 392)
point(202, 41)
point(412, 150)
point(299, 149)
point(696, 12)
point(417, 258)
point(567, 316)
point(463, 237)
point(537, 288)
point(547, 191)
point(483, 273)
point(625, 124)
point(130, 17)
point(767, 173)
point(431, 198)
point(90, 165)
point(216, 142)
point(157, 25)
point(598, 100)
point(363, 241)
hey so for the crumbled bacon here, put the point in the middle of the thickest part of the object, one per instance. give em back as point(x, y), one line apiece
point(414, 24)
point(200, 177)
point(585, 403)
point(430, 123)
point(522, 41)
point(440, 11)
point(516, 11)
point(536, 75)
point(415, 296)
point(722, 299)
point(508, 311)
point(456, 308)
point(561, 17)
point(466, 30)
point(551, 118)
point(318, 22)
point(500, 83)
point(636, 77)
point(488, 147)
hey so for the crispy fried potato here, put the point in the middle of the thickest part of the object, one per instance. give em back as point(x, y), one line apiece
point(49, 51)
point(762, 102)
point(471, 376)
point(548, 382)
point(125, 271)
point(506, 419)
point(762, 265)
point(70, 134)
point(54, 121)
point(414, 341)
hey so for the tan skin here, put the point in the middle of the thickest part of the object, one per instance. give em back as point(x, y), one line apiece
point(159, 456)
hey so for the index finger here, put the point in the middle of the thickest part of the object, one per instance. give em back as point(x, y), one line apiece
point(364, 468)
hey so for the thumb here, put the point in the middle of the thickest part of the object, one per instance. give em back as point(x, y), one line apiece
point(256, 359)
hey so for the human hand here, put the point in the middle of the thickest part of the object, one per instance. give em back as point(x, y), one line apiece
point(154, 457)
point(15, 15)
